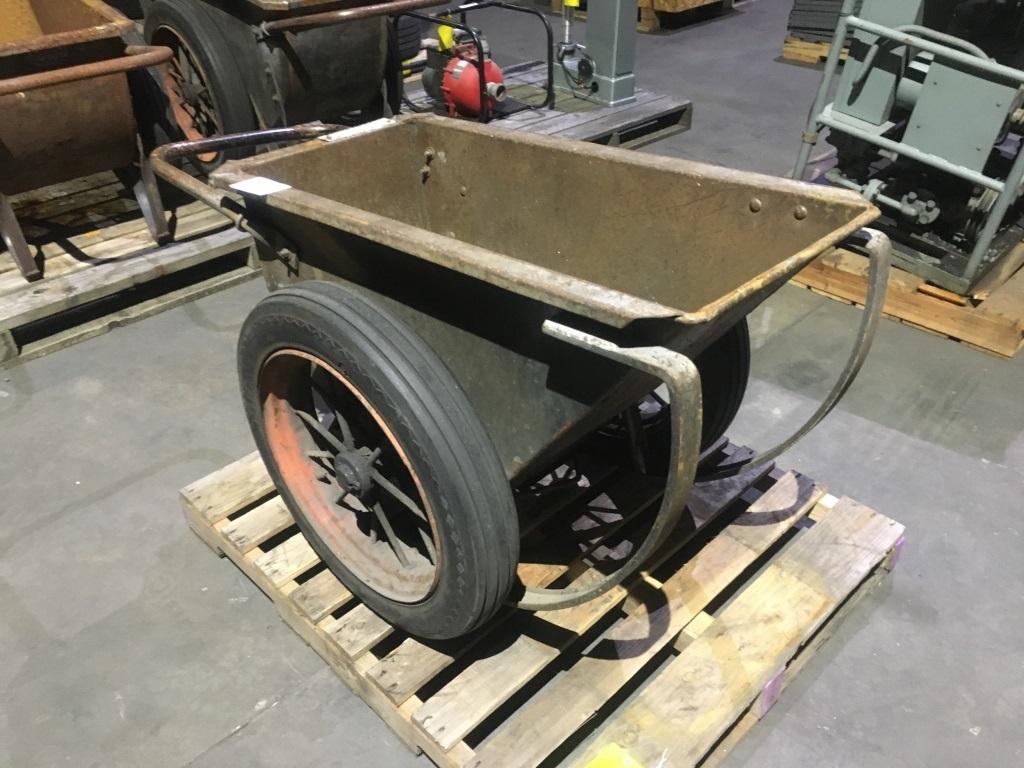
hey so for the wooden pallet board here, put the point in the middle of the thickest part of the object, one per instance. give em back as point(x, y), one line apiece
point(808, 51)
point(96, 247)
point(653, 12)
point(725, 616)
point(647, 10)
point(995, 325)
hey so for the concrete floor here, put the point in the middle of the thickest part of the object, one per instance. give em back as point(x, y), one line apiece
point(124, 642)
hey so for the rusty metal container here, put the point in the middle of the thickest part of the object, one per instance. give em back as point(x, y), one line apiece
point(65, 105)
point(559, 282)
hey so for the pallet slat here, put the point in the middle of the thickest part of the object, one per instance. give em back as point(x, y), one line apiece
point(228, 490)
point(264, 522)
point(321, 595)
point(358, 631)
point(291, 558)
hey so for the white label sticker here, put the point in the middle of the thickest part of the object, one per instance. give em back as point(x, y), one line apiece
point(359, 130)
point(259, 186)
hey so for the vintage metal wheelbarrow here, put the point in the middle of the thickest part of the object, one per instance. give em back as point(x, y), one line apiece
point(66, 106)
point(463, 303)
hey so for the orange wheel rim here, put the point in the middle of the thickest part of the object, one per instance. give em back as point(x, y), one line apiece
point(349, 476)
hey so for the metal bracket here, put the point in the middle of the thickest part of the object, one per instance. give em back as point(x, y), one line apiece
point(680, 375)
point(14, 238)
point(290, 257)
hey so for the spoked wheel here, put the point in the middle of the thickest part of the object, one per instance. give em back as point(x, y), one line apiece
point(356, 488)
point(204, 82)
point(188, 89)
point(380, 458)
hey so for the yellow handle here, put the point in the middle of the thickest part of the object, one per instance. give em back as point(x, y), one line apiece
point(446, 37)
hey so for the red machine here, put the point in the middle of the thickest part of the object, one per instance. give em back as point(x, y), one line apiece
point(461, 84)
point(452, 75)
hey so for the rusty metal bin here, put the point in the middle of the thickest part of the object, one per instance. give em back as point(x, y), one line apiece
point(65, 105)
point(471, 242)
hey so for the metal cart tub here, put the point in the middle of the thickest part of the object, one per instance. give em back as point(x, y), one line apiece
point(490, 298)
point(66, 106)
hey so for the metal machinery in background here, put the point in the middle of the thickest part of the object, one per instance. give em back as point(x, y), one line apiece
point(459, 75)
point(929, 127)
point(71, 86)
point(602, 69)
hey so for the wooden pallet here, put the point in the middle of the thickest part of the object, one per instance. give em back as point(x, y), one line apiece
point(101, 267)
point(654, 14)
point(808, 51)
point(707, 638)
point(648, 19)
point(991, 320)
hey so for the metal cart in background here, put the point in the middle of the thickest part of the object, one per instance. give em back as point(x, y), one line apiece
point(68, 106)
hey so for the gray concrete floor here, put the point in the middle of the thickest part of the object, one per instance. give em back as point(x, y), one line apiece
point(124, 642)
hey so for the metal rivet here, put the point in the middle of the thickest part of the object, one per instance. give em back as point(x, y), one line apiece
point(800, 213)
point(755, 204)
point(463, 191)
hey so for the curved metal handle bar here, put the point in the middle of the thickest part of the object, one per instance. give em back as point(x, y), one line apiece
point(681, 377)
point(136, 57)
point(942, 38)
point(879, 250)
point(162, 156)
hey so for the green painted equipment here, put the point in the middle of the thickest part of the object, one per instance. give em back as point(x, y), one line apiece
point(929, 127)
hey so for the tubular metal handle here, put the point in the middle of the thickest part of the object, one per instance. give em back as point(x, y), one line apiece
point(162, 156)
point(136, 57)
point(680, 375)
point(879, 250)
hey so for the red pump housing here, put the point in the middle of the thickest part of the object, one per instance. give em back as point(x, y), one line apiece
point(461, 85)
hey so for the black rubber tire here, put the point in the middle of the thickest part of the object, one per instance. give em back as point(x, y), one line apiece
point(410, 37)
point(194, 23)
point(431, 418)
point(724, 372)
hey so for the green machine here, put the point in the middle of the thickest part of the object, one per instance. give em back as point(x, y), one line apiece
point(602, 69)
point(928, 127)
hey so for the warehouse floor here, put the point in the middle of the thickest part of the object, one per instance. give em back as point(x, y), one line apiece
point(125, 642)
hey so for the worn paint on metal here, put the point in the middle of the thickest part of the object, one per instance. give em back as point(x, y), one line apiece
point(75, 70)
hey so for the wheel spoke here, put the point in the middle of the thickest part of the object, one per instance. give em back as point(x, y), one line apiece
point(321, 430)
point(399, 496)
point(428, 542)
point(346, 430)
point(389, 532)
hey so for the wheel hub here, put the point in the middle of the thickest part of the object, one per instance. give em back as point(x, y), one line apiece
point(354, 470)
